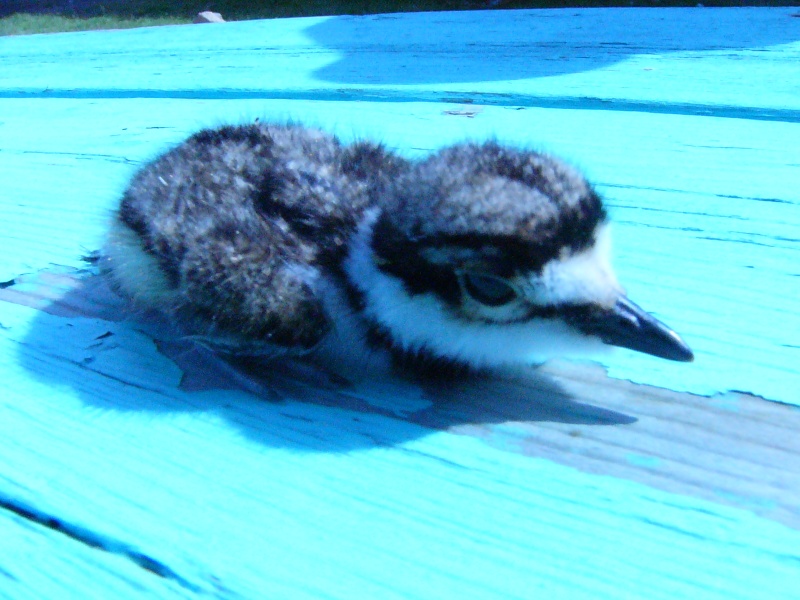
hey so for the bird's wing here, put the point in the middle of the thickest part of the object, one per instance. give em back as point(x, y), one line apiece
point(199, 236)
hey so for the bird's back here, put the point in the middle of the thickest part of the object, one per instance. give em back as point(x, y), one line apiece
point(231, 228)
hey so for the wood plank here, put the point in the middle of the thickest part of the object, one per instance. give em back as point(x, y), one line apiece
point(224, 488)
point(564, 483)
point(371, 503)
point(679, 60)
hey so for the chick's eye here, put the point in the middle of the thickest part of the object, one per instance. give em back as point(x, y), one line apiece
point(488, 290)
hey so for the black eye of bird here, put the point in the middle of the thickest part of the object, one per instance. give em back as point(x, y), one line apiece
point(488, 290)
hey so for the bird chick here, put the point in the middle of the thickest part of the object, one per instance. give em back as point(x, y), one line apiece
point(267, 239)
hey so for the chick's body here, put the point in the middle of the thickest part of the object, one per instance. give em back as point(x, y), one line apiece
point(263, 236)
point(230, 230)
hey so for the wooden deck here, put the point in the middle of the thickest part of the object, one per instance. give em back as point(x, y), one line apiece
point(131, 466)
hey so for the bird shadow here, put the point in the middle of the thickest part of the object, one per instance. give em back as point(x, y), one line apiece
point(82, 322)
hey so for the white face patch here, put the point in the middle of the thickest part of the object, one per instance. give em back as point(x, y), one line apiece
point(424, 321)
point(585, 277)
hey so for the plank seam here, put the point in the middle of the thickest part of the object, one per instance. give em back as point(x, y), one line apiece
point(445, 96)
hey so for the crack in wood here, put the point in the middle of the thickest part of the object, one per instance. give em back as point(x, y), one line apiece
point(95, 540)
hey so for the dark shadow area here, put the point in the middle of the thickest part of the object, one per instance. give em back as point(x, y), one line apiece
point(414, 49)
point(83, 323)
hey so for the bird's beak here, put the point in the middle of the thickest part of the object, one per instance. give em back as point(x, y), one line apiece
point(627, 325)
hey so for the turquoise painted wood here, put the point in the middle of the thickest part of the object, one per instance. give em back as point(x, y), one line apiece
point(132, 468)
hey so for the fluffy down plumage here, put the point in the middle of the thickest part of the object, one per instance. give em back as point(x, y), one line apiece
point(478, 255)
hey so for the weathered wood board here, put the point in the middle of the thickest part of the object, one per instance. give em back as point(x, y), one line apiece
point(131, 467)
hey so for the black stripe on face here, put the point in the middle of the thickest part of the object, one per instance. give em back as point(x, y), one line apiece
point(401, 258)
point(405, 260)
point(499, 256)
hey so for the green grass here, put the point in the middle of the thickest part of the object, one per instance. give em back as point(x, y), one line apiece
point(251, 9)
point(26, 24)
point(143, 13)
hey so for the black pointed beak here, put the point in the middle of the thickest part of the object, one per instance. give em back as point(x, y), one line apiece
point(627, 325)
